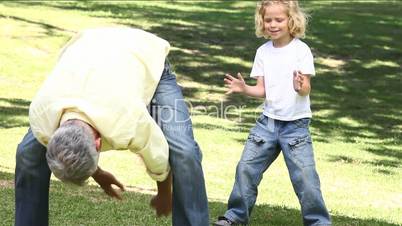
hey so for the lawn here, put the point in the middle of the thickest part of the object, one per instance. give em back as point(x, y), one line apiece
point(356, 102)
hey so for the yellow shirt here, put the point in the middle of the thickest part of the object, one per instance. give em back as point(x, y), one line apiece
point(107, 77)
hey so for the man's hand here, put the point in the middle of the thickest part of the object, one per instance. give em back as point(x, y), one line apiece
point(105, 180)
point(162, 202)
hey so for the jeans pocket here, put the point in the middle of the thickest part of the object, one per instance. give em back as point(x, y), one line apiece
point(261, 118)
point(253, 146)
point(302, 151)
point(302, 123)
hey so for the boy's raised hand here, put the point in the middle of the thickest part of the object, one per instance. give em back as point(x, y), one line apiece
point(301, 83)
point(235, 85)
point(297, 80)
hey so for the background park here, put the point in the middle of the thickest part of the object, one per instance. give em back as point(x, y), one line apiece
point(356, 102)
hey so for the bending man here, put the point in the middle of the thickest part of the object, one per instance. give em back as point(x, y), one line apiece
point(111, 89)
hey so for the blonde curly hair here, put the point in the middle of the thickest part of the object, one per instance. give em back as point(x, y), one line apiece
point(298, 18)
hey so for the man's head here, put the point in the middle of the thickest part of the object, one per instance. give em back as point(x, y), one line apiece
point(72, 153)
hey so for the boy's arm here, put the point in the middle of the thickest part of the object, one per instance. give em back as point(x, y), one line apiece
point(238, 85)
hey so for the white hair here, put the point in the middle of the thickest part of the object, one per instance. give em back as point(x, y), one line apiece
point(71, 153)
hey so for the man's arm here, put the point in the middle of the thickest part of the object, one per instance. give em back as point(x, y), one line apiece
point(153, 148)
point(105, 180)
point(162, 202)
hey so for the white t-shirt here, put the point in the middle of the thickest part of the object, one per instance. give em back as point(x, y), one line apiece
point(282, 102)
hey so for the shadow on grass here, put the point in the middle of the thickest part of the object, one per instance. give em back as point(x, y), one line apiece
point(277, 215)
point(390, 165)
point(365, 88)
point(13, 113)
point(358, 98)
point(78, 205)
point(52, 30)
point(211, 31)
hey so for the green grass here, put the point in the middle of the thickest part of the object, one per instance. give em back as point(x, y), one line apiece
point(356, 102)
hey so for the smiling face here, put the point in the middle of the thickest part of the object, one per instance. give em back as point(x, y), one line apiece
point(276, 25)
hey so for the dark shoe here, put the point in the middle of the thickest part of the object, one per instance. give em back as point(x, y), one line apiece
point(223, 221)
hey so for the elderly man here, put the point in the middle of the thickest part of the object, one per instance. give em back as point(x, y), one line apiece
point(111, 89)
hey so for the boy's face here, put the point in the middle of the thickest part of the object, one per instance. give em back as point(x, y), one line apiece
point(276, 23)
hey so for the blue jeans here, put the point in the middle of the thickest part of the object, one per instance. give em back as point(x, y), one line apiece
point(168, 108)
point(263, 146)
point(32, 176)
point(190, 204)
